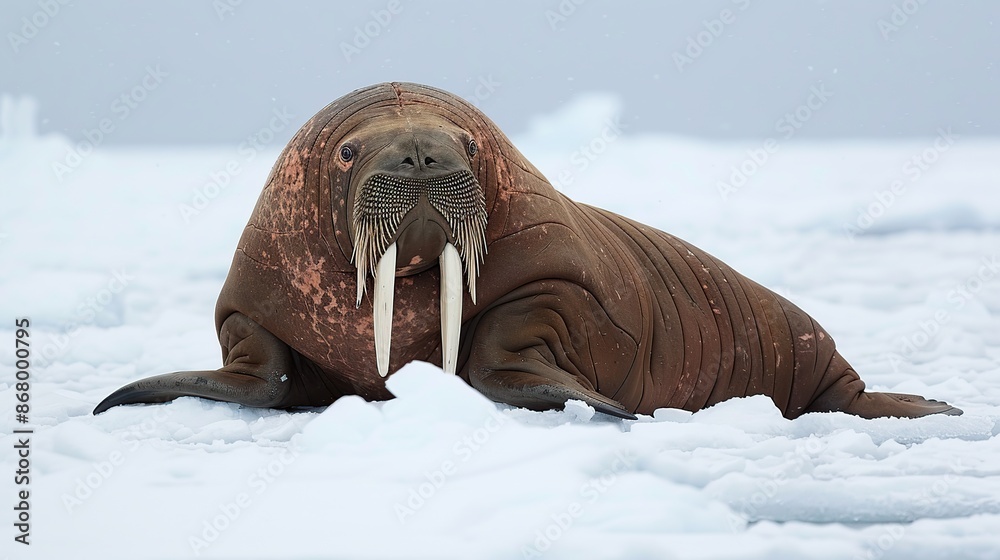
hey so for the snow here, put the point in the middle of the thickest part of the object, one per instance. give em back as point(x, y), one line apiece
point(120, 281)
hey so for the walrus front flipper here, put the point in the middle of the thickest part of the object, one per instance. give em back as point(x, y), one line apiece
point(519, 356)
point(535, 392)
point(257, 372)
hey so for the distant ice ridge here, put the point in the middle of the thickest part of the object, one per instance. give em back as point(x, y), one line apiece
point(943, 181)
point(30, 155)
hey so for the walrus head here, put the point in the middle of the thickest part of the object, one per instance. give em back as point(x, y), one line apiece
point(414, 202)
point(395, 186)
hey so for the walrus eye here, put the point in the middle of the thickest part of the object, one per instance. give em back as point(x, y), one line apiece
point(346, 153)
point(473, 148)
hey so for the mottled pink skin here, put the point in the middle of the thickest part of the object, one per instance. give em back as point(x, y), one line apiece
point(299, 240)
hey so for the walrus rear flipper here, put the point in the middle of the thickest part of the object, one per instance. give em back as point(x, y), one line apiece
point(257, 371)
point(874, 405)
point(847, 394)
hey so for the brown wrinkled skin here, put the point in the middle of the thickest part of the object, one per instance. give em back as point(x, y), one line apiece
point(573, 301)
point(634, 313)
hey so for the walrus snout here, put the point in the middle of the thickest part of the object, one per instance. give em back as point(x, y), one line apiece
point(416, 204)
point(419, 155)
point(423, 232)
point(411, 160)
point(381, 206)
point(420, 239)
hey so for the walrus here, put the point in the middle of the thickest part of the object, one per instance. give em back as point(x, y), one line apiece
point(401, 224)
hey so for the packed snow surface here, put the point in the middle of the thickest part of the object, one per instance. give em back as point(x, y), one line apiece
point(894, 247)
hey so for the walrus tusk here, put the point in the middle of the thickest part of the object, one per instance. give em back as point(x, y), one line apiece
point(385, 284)
point(451, 306)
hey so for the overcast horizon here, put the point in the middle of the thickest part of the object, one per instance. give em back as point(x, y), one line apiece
point(727, 69)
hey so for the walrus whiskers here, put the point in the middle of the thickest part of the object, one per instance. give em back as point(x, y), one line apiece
point(382, 203)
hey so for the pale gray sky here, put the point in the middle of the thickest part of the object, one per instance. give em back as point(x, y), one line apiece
point(213, 72)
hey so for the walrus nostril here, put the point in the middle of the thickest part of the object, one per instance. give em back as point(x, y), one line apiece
point(429, 161)
point(408, 161)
